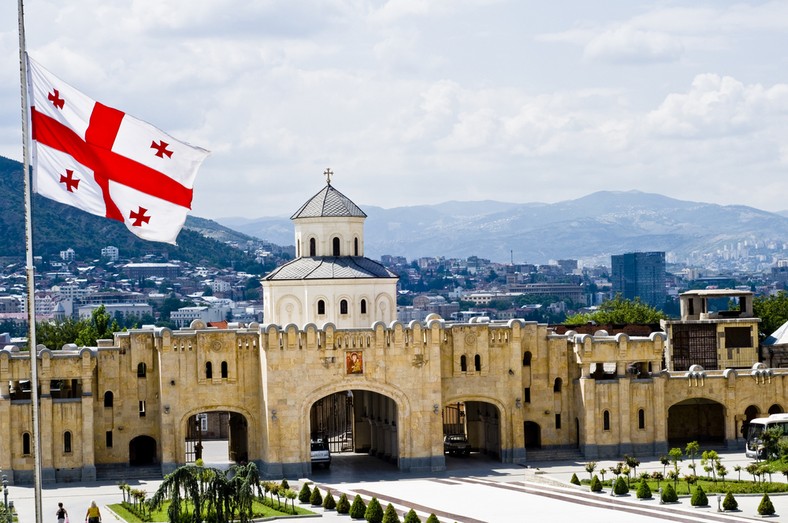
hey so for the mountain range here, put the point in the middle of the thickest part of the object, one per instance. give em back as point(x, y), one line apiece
point(589, 228)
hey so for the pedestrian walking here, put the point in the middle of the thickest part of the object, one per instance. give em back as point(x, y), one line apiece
point(62, 514)
point(93, 515)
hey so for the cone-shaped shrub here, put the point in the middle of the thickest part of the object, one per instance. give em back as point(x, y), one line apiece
point(596, 485)
point(343, 505)
point(374, 512)
point(765, 507)
point(620, 488)
point(574, 480)
point(316, 499)
point(358, 508)
point(304, 494)
point(411, 517)
point(390, 515)
point(328, 502)
point(699, 498)
point(433, 519)
point(644, 491)
point(729, 503)
point(669, 494)
point(285, 485)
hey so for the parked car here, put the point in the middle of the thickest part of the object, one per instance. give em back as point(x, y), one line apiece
point(456, 444)
point(321, 454)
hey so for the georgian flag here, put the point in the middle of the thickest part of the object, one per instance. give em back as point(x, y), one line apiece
point(106, 162)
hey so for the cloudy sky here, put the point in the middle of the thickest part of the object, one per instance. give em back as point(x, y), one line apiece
point(415, 102)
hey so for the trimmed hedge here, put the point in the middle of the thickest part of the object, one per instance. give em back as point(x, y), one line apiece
point(620, 488)
point(305, 494)
point(729, 503)
point(316, 499)
point(374, 512)
point(574, 480)
point(643, 491)
point(669, 494)
point(328, 501)
point(343, 505)
point(765, 507)
point(358, 508)
point(699, 498)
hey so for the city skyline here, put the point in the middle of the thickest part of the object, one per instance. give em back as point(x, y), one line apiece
point(472, 100)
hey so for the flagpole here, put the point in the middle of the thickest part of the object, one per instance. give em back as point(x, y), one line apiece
point(30, 268)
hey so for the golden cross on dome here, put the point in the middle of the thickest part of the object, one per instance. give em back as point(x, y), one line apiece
point(328, 173)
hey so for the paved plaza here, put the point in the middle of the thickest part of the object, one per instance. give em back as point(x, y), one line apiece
point(473, 489)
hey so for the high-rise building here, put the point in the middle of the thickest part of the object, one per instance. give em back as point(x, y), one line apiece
point(640, 275)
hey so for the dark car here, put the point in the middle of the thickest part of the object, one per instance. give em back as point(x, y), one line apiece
point(456, 444)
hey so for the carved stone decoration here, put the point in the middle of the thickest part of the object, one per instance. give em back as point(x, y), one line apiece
point(470, 339)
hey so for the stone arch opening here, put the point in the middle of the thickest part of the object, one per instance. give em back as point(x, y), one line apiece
point(354, 421)
point(533, 435)
point(478, 423)
point(217, 436)
point(142, 451)
point(696, 419)
point(775, 409)
point(750, 413)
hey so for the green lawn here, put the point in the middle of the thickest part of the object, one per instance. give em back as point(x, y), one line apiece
point(260, 511)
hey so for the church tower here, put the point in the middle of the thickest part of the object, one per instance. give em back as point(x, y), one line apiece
point(330, 280)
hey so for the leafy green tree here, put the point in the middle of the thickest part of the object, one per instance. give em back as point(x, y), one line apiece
point(619, 310)
point(390, 515)
point(56, 334)
point(772, 310)
point(590, 467)
point(358, 508)
point(101, 326)
point(692, 448)
point(374, 512)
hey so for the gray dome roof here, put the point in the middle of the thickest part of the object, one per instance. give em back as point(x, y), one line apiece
point(330, 268)
point(328, 202)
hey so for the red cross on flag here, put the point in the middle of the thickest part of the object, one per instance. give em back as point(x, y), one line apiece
point(106, 162)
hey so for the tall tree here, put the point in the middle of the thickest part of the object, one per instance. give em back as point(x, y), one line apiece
point(619, 310)
point(773, 312)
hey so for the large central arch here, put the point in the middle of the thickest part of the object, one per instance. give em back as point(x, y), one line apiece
point(696, 419)
point(378, 416)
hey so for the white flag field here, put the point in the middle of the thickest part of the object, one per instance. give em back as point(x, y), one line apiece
point(103, 161)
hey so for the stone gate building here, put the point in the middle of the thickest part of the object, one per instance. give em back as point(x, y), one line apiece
point(332, 361)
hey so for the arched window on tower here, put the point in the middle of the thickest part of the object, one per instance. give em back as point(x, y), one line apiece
point(557, 385)
point(208, 370)
point(641, 419)
point(108, 398)
point(355, 246)
point(477, 363)
point(321, 307)
point(527, 359)
point(343, 307)
point(363, 306)
point(312, 247)
point(335, 247)
point(26, 444)
point(142, 370)
point(224, 370)
point(464, 363)
point(67, 442)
